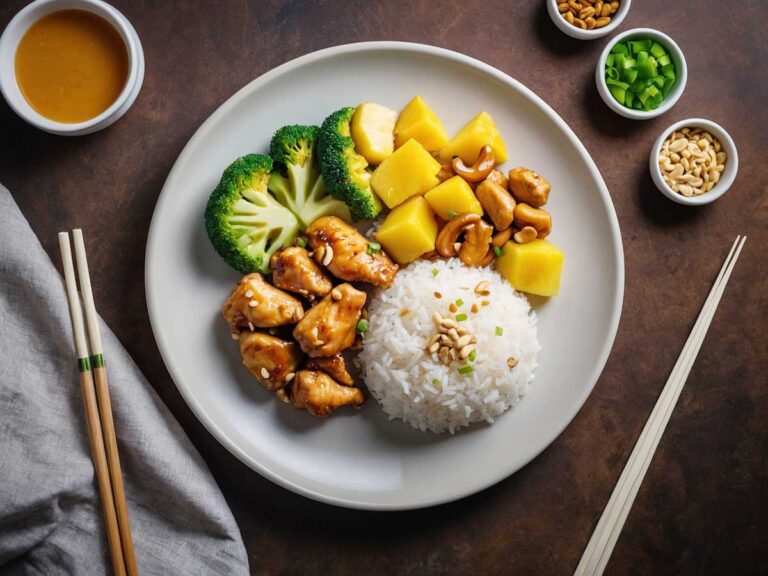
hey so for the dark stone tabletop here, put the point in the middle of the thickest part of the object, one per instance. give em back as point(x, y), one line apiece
point(703, 506)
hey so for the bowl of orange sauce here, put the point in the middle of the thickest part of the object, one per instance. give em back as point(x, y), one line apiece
point(70, 67)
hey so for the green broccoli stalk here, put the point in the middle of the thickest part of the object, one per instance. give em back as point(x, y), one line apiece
point(296, 181)
point(245, 224)
point(343, 169)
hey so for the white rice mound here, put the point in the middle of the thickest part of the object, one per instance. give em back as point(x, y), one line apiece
point(399, 372)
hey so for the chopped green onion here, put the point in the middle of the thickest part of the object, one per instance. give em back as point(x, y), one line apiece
point(657, 50)
point(452, 214)
point(435, 381)
point(498, 251)
point(639, 73)
point(435, 271)
point(301, 241)
point(499, 330)
point(459, 302)
point(461, 317)
point(362, 326)
point(373, 247)
point(466, 369)
point(472, 355)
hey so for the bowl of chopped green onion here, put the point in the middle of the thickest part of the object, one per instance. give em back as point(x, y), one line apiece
point(641, 73)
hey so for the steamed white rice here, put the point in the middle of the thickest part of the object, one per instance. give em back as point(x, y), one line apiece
point(400, 374)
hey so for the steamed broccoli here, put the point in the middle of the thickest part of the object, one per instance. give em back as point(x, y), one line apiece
point(245, 224)
point(344, 169)
point(296, 181)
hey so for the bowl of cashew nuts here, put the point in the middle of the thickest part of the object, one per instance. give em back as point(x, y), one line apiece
point(587, 19)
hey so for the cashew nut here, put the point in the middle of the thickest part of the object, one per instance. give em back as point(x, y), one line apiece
point(476, 243)
point(529, 187)
point(497, 203)
point(498, 177)
point(480, 169)
point(537, 218)
point(502, 237)
point(527, 234)
point(451, 231)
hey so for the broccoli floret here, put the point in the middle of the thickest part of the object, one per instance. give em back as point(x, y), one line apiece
point(296, 181)
point(344, 169)
point(245, 224)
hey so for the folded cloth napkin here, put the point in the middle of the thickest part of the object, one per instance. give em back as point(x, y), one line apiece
point(50, 512)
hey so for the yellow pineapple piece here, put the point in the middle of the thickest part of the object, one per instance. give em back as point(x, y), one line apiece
point(453, 197)
point(417, 121)
point(409, 171)
point(408, 231)
point(372, 129)
point(534, 267)
point(480, 131)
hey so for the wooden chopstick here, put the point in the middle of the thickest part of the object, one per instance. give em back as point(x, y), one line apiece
point(105, 405)
point(95, 434)
point(598, 551)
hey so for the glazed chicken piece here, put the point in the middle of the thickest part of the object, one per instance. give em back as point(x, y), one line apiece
point(256, 302)
point(271, 360)
point(344, 251)
point(334, 366)
point(320, 394)
point(294, 270)
point(329, 326)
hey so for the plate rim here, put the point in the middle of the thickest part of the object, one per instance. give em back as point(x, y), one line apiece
point(331, 52)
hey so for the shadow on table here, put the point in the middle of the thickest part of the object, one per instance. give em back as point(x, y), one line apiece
point(660, 209)
point(553, 39)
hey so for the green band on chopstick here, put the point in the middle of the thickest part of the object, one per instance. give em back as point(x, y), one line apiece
point(83, 365)
point(97, 360)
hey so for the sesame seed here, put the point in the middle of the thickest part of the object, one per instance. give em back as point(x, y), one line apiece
point(235, 336)
point(249, 294)
point(511, 362)
point(253, 303)
point(251, 326)
point(264, 373)
point(438, 295)
point(336, 294)
point(328, 256)
point(289, 376)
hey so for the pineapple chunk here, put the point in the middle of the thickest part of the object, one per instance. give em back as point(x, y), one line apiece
point(373, 128)
point(452, 197)
point(480, 131)
point(409, 171)
point(408, 231)
point(417, 121)
point(534, 267)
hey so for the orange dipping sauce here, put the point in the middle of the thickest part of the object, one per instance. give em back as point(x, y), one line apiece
point(71, 65)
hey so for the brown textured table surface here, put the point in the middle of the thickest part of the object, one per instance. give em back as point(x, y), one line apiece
point(703, 506)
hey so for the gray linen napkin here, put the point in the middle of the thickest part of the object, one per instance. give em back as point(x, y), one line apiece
point(50, 512)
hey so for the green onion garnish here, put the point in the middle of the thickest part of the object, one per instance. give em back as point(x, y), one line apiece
point(639, 73)
point(362, 326)
point(472, 356)
point(452, 213)
point(461, 317)
point(435, 381)
point(498, 251)
point(459, 302)
point(301, 241)
point(499, 330)
point(467, 369)
point(435, 271)
point(373, 247)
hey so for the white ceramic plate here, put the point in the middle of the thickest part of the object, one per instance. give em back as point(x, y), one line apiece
point(354, 458)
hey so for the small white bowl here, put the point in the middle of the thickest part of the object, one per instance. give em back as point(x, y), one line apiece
point(726, 178)
point(674, 95)
point(578, 33)
point(9, 87)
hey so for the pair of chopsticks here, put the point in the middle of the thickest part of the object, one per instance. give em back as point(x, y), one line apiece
point(98, 408)
point(600, 546)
